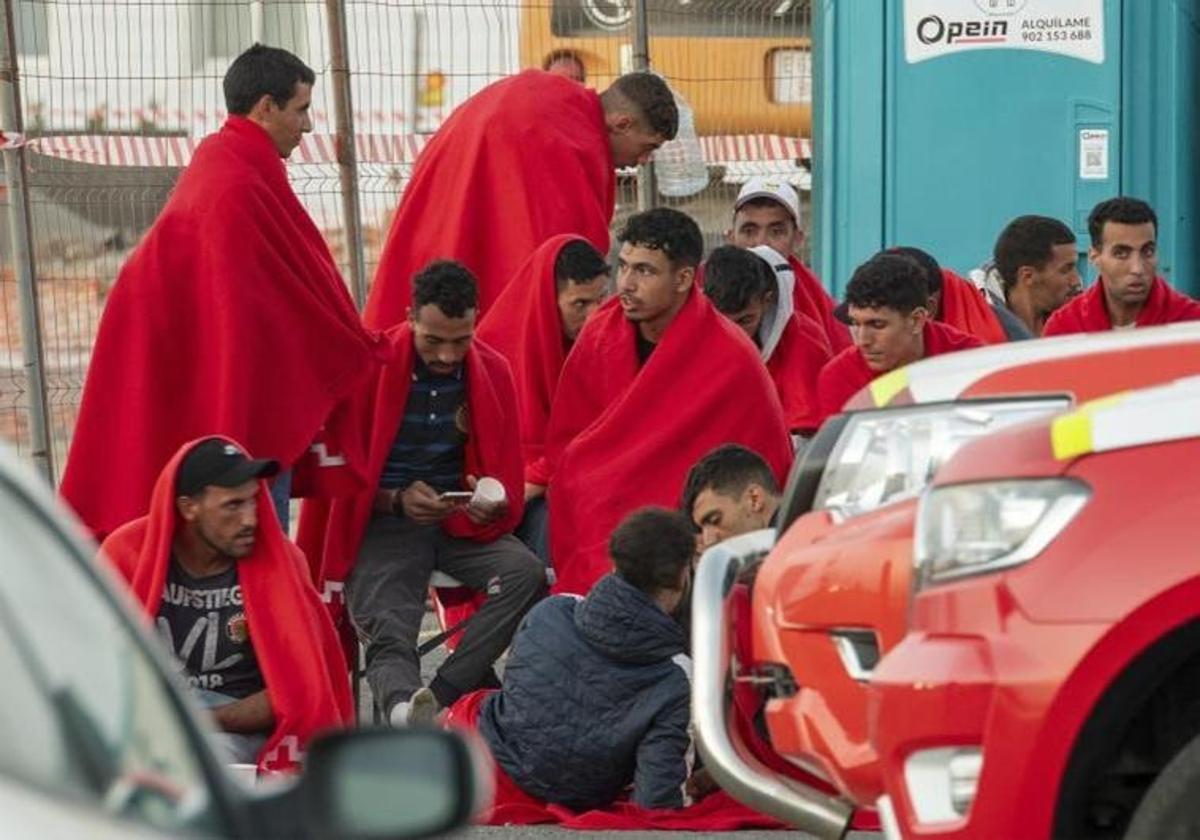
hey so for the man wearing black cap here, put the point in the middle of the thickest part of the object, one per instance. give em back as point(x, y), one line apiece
point(232, 599)
point(201, 615)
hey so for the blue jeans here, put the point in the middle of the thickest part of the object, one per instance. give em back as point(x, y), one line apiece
point(233, 747)
point(281, 495)
point(534, 531)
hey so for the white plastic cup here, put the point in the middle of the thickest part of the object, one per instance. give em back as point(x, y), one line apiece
point(245, 774)
point(488, 491)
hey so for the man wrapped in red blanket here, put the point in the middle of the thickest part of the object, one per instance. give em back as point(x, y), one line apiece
point(657, 378)
point(524, 159)
point(229, 318)
point(1129, 293)
point(754, 289)
point(887, 301)
point(231, 595)
point(767, 212)
point(441, 418)
point(533, 324)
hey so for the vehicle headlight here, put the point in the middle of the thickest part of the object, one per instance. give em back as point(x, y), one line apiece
point(891, 454)
point(969, 529)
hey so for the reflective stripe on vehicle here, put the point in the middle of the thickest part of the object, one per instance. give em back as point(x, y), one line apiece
point(885, 387)
point(1132, 418)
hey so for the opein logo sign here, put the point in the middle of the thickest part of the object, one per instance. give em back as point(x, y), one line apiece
point(1073, 28)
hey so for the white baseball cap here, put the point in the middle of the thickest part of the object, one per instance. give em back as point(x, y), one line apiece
point(776, 189)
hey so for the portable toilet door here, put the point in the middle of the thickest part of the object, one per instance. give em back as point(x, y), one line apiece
point(939, 121)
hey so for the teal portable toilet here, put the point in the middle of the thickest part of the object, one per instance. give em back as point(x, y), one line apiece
point(938, 121)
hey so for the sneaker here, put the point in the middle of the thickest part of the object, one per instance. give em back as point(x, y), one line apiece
point(419, 710)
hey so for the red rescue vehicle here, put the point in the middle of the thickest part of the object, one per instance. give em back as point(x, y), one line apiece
point(833, 593)
point(1049, 684)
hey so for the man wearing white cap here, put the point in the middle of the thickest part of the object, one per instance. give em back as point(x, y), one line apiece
point(767, 212)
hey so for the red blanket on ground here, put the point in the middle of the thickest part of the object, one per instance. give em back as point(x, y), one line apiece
point(229, 318)
point(848, 373)
point(621, 437)
point(965, 308)
point(522, 160)
point(294, 640)
point(1089, 311)
point(524, 326)
point(812, 300)
point(331, 531)
point(795, 366)
point(512, 806)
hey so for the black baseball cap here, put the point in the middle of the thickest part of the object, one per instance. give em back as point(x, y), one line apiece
point(217, 462)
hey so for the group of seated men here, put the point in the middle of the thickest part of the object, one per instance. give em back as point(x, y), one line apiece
point(621, 407)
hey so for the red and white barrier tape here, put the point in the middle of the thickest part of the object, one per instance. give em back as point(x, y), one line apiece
point(127, 150)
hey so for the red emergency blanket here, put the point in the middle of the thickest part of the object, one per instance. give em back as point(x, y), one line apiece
point(512, 806)
point(795, 366)
point(295, 643)
point(229, 318)
point(812, 300)
point(848, 373)
point(524, 326)
point(331, 531)
point(1089, 311)
point(622, 437)
point(965, 308)
point(524, 159)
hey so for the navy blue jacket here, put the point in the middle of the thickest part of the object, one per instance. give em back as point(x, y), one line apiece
point(596, 696)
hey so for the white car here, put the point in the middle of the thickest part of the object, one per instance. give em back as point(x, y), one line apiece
point(100, 739)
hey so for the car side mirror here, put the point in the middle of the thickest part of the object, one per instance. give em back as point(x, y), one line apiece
point(386, 783)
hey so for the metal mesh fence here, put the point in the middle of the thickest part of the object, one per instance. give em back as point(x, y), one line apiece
point(116, 94)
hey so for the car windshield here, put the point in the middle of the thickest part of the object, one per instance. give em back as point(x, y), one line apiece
point(87, 714)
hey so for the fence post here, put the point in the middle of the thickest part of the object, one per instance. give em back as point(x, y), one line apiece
point(647, 189)
point(347, 155)
point(21, 235)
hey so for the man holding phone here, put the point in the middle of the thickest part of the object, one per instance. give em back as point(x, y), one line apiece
point(448, 492)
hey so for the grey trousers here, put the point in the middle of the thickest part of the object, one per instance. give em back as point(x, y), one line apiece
point(386, 599)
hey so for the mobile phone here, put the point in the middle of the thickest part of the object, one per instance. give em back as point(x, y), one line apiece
point(456, 496)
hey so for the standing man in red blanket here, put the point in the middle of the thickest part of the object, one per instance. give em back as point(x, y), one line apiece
point(442, 417)
point(533, 324)
point(767, 212)
point(657, 378)
point(229, 318)
point(1129, 293)
point(524, 159)
point(887, 302)
point(231, 596)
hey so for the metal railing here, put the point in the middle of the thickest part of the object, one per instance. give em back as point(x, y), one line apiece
point(103, 102)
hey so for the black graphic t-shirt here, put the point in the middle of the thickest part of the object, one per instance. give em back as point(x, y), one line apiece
point(204, 623)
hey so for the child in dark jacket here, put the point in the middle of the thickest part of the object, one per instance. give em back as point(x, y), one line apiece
point(597, 690)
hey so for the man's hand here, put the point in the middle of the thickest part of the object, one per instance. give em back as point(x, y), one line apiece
point(420, 503)
point(534, 491)
point(485, 513)
point(249, 715)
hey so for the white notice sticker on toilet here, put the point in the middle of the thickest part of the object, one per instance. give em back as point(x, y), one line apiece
point(1093, 154)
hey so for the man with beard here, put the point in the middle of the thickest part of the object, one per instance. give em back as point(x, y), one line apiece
point(1129, 293)
point(232, 599)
